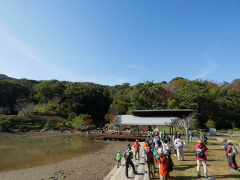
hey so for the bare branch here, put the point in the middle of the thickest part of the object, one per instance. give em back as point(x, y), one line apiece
point(117, 120)
point(24, 107)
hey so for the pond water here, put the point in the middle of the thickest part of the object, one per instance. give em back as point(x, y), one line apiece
point(21, 153)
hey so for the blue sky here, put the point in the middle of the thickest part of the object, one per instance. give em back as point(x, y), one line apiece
point(111, 42)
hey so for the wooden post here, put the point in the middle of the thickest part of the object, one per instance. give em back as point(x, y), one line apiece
point(138, 130)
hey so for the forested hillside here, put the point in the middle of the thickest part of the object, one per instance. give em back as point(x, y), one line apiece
point(217, 103)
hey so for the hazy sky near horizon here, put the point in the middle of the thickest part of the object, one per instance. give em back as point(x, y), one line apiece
point(111, 42)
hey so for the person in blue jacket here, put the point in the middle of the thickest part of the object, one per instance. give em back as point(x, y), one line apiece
point(164, 135)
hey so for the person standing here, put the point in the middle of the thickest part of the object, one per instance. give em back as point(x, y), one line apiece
point(128, 155)
point(136, 149)
point(231, 157)
point(191, 136)
point(149, 160)
point(163, 165)
point(179, 143)
point(166, 147)
point(164, 134)
point(201, 157)
point(225, 149)
point(203, 137)
point(119, 158)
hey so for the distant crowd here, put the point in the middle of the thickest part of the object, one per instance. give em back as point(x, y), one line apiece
point(157, 149)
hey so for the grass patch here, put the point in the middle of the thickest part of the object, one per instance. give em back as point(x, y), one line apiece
point(216, 164)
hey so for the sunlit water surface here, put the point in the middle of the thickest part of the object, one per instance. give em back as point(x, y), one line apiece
point(20, 153)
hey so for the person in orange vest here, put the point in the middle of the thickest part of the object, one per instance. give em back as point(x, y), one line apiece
point(145, 145)
point(163, 165)
point(136, 149)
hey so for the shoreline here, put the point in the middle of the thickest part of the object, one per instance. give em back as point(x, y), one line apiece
point(94, 165)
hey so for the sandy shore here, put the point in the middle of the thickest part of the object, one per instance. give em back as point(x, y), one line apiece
point(95, 165)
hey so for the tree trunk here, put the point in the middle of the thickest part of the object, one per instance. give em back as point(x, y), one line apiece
point(187, 135)
point(118, 130)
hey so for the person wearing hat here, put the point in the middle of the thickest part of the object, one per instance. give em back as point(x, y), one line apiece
point(149, 160)
point(231, 158)
point(136, 148)
point(225, 149)
point(179, 144)
point(128, 155)
point(163, 165)
point(119, 158)
point(201, 157)
point(166, 147)
point(202, 136)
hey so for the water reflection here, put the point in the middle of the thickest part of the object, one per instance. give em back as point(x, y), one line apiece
point(21, 153)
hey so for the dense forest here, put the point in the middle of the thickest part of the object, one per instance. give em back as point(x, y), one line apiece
point(218, 104)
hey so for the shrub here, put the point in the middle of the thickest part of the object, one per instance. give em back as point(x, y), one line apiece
point(230, 132)
point(210, 124)
point(49, 124)
point(69, 124)
point(236, 129)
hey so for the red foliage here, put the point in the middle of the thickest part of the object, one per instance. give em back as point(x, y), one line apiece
point(110, 117)
point(234, 85)
point(144, 128)
point(89, 121)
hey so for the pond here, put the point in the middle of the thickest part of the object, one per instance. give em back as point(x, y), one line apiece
point(21, 153)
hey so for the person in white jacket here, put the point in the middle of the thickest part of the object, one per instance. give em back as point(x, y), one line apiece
point(180, 144)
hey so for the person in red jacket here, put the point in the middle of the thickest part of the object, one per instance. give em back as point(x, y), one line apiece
point(231, 157)
point(201, 157)
point(136, 149)
point(163, 165)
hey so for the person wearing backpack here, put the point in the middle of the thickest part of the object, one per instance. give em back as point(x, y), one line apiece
point(203, 137)
point(149, 160)
point(201, 157)
point(136, 149)
point(179, 144)
point(225, 149)
point(232, 151)
point(119, 158)
point(163, 165)
point(128, 155)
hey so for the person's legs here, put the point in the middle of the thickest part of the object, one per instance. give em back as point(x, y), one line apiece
point(205, 168)
point(148, 166)
point(131, 163)
point(152, 168)
point(229, 161)
point(138, 155)
point(178, 154)
point(198, 167)
point(191, 138)
point(163, 178)
point(182, 153)
point(126, 168)
point(135, 154)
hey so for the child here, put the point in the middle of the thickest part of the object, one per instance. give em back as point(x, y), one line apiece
point(119, 158)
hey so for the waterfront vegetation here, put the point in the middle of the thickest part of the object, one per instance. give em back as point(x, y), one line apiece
point(82, 104)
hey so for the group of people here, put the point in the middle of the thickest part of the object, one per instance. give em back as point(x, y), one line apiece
point(157, 149)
